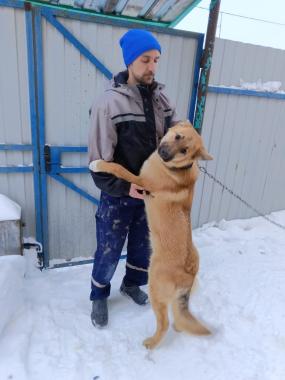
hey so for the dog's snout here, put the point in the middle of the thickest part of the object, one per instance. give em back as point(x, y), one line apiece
point(164, 153)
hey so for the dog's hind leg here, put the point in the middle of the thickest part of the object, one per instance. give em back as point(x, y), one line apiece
point(183, 319)
point(161, 312)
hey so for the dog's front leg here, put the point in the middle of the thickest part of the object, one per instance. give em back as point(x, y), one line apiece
point(115, 169)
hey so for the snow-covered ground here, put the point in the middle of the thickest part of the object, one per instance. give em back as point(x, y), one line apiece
point(239, 294)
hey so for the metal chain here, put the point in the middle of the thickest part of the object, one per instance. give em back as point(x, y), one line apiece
point(204, 170)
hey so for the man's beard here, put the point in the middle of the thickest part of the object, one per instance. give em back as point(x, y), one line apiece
point(144, 79)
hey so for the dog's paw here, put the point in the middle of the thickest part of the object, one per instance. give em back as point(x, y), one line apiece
point(176, 328)
point(150, 343)
point(94, 166)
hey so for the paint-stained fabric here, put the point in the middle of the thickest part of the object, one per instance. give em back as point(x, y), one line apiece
point(117, 218)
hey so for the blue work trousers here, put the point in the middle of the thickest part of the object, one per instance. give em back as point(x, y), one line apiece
point(116, 219)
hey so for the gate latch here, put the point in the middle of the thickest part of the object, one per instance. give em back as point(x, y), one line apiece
point(47, 155)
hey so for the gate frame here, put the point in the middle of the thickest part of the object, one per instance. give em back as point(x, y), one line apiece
point(33, 17)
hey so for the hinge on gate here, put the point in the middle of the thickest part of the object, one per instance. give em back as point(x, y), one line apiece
point(47, 155)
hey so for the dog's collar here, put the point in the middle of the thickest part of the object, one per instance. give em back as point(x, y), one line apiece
point(182, 168)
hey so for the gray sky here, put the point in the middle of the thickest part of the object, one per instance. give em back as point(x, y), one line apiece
point(240, 29)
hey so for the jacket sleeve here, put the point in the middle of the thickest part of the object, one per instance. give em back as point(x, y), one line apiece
point(170, 113)
point(101, 145)
point(110, 184)
point(174, 118)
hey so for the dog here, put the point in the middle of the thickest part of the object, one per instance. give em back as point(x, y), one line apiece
point(168, 177)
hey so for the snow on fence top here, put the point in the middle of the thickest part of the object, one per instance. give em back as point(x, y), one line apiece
point(259, 86)
point(271, 86)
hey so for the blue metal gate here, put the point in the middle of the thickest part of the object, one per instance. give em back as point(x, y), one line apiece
point(47, 159)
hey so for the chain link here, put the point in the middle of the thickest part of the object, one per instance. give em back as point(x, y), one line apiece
point(224, 187)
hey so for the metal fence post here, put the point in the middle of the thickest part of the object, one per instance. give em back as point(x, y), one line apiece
point(206, 64)
point(35, 64)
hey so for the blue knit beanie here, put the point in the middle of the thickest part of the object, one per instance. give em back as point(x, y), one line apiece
point(135, 42)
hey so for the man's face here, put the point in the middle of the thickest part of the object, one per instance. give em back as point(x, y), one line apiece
point(142, 70)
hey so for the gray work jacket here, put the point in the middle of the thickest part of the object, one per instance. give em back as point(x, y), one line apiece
point(127, 124)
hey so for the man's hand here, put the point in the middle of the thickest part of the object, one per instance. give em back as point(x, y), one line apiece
point(136, 191)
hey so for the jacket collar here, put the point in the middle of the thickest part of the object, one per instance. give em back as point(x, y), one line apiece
point(119, 84)
point(120, 79)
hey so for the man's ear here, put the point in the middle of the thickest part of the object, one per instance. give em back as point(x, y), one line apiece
point(203, 155)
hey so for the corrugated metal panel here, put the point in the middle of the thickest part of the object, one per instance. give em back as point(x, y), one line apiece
point(14, 112)
point(71, 85)
point(233, 61)
point(156, 10)
point(176, 9)
point(68, 94)
point(245, 136)
point(133, 8)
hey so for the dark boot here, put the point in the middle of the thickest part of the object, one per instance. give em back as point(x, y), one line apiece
point(99, 314)
point(135, 293)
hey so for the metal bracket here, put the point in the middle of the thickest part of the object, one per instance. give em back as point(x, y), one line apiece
point(52, 155)
point(54, 168)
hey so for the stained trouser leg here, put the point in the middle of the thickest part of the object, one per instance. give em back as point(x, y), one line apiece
point(112, 226)
point(138, 249)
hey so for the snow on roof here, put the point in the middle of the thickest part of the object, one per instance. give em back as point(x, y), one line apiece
point(9, 210)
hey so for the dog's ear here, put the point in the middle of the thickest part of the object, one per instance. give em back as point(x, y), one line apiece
point(184, 124)
point(187, 124)
point(203, 155)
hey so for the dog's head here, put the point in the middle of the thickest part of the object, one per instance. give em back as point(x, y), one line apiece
point(181, 146)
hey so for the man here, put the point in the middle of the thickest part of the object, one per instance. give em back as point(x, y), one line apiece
point(127, 123)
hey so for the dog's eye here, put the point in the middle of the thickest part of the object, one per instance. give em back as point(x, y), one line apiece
point(183, 151)
point(178, 137)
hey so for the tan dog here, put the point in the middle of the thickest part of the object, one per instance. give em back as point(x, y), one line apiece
point(169, 176)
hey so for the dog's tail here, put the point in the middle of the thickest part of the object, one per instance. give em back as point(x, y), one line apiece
point(115, 169)
point(183, 319)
